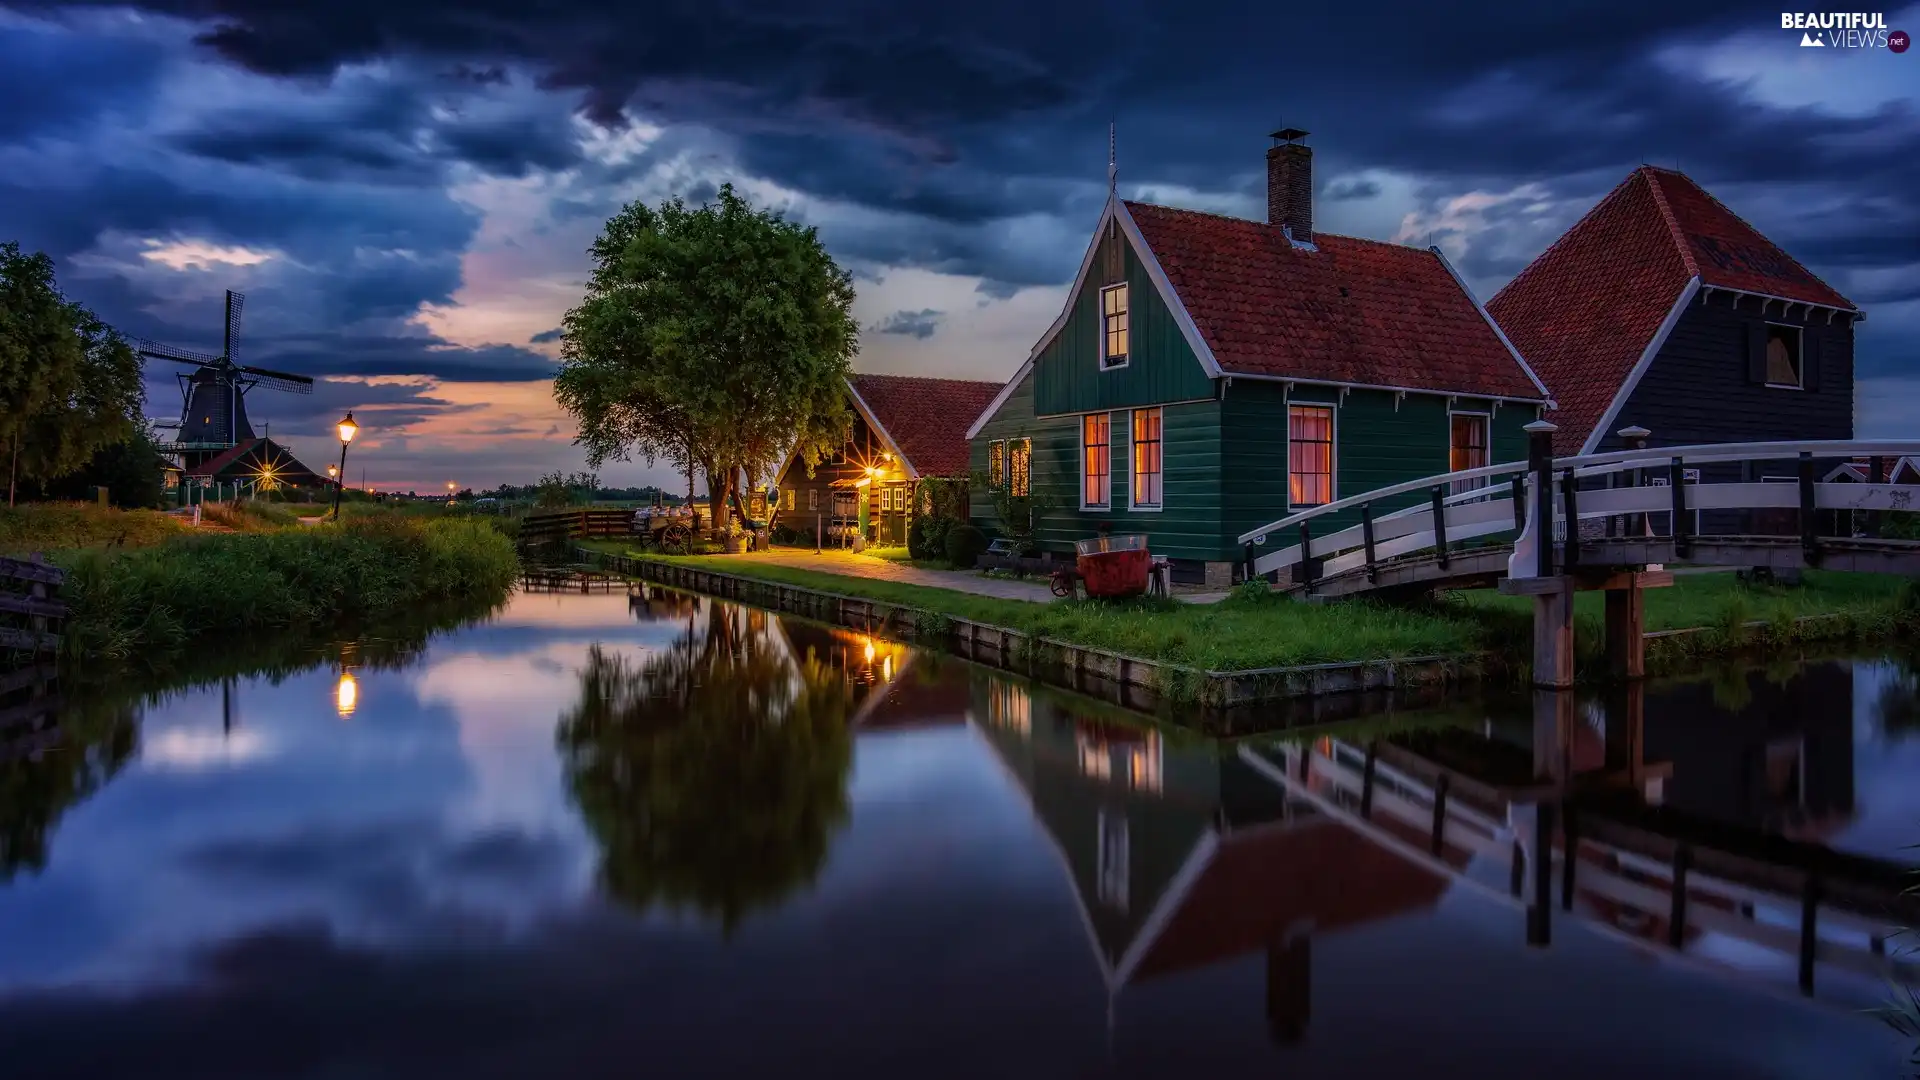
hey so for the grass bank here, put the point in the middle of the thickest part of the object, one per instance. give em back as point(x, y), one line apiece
point(1251, 630)
point(1238, 633)
point(51, 527)
point(149, 603)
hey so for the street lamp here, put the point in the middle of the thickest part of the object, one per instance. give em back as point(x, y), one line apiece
point(348, 429)
point(450, 492)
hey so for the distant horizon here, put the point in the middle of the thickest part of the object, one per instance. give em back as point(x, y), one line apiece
point(407, 198)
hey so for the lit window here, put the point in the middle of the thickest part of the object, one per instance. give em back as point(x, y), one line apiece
point(1467, 449)
point(996, 463)
point(1146, 459)
point(1096, 464)
point(791, 502)
point(1020, 467)
point(1143, 764)
point(1783, 356)
point(1310, 455)
point(1010, 707)
point(1113, 326)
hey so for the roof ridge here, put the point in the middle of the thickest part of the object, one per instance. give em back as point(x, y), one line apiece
point(1674, 231)
point(923, 378)
point(1318, 235)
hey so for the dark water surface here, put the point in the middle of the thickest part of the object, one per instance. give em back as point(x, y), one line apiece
point(680, 838)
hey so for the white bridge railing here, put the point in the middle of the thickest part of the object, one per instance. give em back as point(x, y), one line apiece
point(1537, 497)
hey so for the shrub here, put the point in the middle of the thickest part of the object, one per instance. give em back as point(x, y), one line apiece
point(50, 527)
point(927, 539)
point(964, 545)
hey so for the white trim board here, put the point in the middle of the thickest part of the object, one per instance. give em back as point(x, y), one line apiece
point(886, 436)
point(1640, 366)
point(1499, 333)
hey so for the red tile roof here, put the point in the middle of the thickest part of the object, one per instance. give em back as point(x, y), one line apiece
point(213, 465)
point(927, 419)
point(1584, 311)
point(1355, 311)
point(1265, 880)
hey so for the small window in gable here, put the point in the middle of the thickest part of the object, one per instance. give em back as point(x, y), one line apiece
point(1113, 326)
point(1783, 355)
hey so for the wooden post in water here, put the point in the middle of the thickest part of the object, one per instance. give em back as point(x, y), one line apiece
point(1290, 985)
point(1626, 616)
point(1540, 911)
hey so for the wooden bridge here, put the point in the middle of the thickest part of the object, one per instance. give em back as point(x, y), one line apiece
point(1549, 527)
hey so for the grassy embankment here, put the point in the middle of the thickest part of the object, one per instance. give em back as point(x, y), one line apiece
point(141, 587)
point(1252, 630)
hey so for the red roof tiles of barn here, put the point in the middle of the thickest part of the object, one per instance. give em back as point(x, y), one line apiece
point(1584, 311)
point(927, 419)
point(1355, 311)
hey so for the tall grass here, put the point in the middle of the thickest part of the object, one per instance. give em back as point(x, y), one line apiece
point(251, 515)
point(51, 527)
point(128, 604)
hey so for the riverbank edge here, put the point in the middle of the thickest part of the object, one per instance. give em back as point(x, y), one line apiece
point(1018, 650)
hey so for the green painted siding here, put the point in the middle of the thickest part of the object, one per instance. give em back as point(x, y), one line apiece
point(1378, 443)
point(1187, 527)
point(1161, 366)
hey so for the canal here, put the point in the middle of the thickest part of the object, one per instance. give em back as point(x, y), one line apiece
point(668, 836)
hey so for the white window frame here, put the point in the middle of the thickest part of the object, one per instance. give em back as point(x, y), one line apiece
point(1133, 503)
point(1799, 360)
point(1106, 506)
point(1101, 317)
point(813, 500)
point(1113, 865)
point(1486, 431)
point(1333, 452)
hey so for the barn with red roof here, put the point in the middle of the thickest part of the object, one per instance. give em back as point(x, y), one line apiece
point(1210, 375)
point(906, 431)
point(1663, 309)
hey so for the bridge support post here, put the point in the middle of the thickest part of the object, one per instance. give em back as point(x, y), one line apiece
point(1626, 632)
point(1553, 637)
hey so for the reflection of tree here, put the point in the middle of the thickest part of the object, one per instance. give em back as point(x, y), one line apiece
point(713, 774)
point(95, 737)
point(1897, 705)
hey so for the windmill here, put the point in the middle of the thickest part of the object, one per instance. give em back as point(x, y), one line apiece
point(213, 396)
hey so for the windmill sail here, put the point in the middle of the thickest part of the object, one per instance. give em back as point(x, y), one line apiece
point(213, 395)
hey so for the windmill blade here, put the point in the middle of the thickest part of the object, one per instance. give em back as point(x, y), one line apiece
point(235, 303)
point(279, 380)
point(158, 351)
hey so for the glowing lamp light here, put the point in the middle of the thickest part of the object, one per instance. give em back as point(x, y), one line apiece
point(346, 696)
point(869, 652)
point(348, 429)
point(333, 472)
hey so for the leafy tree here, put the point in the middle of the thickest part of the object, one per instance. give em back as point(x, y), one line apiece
point(713, 773)
point(129, 470)
point(715, 337)
point(69, 384)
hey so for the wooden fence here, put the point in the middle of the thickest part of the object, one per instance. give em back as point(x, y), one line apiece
point(556, 526)
point(31, 612)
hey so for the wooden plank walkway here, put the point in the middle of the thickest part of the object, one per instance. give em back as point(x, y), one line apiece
point(31, 612)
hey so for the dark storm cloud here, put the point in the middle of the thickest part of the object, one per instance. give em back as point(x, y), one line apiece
point(1347, 190)
point(366, 356)
point(546, 337)
point(64, 81)
point(915, 324)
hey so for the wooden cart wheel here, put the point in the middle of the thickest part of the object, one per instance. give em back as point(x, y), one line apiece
point(673, 540)
point(1062, 586)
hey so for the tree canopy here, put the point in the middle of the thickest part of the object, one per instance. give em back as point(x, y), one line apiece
point(69, 384)
point(717, 337)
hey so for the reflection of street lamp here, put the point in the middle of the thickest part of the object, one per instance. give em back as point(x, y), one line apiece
point(348, 429)
point(449, 491)
point(346, 696)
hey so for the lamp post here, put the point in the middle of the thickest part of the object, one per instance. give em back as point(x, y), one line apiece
point(333, 474)
point(450, 488)
point(348, 429)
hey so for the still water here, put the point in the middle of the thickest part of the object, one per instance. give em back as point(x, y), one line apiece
point(672, 837)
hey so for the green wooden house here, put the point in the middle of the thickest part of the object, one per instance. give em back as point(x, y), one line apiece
point(1210, 375)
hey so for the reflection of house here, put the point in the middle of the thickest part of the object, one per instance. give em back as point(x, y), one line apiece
point(904, 430)
point(1182, 856)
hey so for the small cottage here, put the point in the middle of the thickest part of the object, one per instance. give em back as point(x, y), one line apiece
point(906, 431)
point(1662, 309)
point(1210, 375)
point(258, 464)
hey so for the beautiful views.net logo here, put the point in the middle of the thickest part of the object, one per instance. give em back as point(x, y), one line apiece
point(1845, 30)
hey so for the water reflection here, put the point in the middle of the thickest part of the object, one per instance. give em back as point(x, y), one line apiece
point(48, 765)
point(601, 828)
point(712, 772)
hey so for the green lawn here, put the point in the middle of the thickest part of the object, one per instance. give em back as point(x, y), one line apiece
point(1256, 631)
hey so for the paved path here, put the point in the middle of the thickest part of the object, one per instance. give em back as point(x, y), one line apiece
point(866, 566)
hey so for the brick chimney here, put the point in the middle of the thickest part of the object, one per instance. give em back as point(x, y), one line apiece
point(1290, 184)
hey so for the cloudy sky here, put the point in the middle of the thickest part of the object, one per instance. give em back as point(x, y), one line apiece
point(405, 191)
